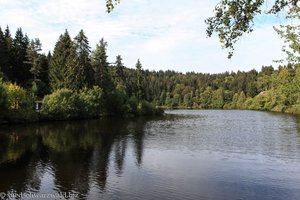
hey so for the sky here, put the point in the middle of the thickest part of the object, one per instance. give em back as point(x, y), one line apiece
point(163, 34)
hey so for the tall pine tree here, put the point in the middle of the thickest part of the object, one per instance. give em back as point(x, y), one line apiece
point(20, 68)
point(139, 81)
point(58, 61)
point(79, 68)
point(120, 71)
point(33, 58)
point(3, 54)
point(100, 66)
point(9, 42)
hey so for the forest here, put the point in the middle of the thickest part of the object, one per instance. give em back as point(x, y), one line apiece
point(72, 82)
point(75, 81)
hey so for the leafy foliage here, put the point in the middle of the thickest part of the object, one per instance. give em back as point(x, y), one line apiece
point(290, 34)
point(19, 104)
point(92, 101)
point(3, 99)
point(67, 104)
point(146, 108)
point(61, 104)
point(233, 18)
point(110, 4)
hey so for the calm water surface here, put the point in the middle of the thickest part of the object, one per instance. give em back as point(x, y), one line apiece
point(183, 155)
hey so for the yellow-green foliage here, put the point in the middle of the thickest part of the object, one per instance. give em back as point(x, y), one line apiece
point(17, 97)
point(295, 109)
point(20, 104)
point(218, 99)
point(61, 104)
point(92, 101)
point(67, 104)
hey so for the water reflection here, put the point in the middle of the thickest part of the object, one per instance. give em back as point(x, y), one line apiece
point(74, 153)
point(183, 155)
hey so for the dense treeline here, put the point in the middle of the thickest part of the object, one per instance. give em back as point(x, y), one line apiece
point(269, 89)
point(75, 81)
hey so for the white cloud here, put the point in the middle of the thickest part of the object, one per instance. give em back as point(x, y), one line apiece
point(163, 34)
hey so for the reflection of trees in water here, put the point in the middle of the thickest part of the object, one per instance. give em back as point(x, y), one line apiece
point(21, 166)
point(138, 138)
point(120, 153)
point(78, 152)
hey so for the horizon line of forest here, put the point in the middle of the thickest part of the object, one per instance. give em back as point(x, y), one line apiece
point(74, 81)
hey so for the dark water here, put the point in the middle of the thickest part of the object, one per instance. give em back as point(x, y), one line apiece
point(183, 155)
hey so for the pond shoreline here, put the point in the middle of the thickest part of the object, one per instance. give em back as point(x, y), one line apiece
point(131, 115)
point(108, 116)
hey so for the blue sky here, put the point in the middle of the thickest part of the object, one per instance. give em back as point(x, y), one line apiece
point(163, 34)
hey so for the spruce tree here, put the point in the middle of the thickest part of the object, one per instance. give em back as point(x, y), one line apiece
point(43, 76)
point(20, 68)
point(120, 71)
point(79, 69)
point(9, 42)
point(139, 81)
point(100, 66)
point(33, 58)
point(3, 54)
point(58, 61)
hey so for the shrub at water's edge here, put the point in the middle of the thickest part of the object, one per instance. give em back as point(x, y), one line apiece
point(60, 105)
point(3, 101)
point(16, 104)
point(146, 108)
point(65, 104)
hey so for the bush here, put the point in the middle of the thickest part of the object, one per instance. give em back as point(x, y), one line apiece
point(66, 104)
point(20, 104)
point(91, 101)
point(61, 104)
point(295, 109)
point(146, 108)
point(279, 108)
point(116, 102)
point(3, 97)
point(132, 104)
point(18, 98)
point(3, 101)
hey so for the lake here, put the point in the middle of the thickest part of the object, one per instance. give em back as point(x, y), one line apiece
point(186, 154)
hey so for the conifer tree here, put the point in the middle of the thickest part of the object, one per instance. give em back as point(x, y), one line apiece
point(20, 68)
point(100, 66)
point(79, 68)
point(58, 61)
point(3, 53)
point(120, 71)
point(139, 81)
point(33, 58)
point(9, 41)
